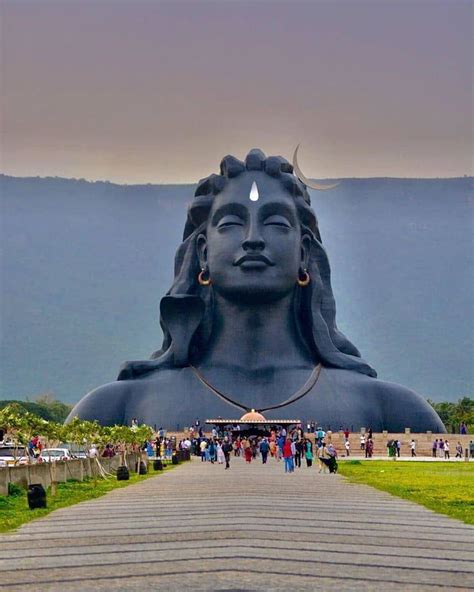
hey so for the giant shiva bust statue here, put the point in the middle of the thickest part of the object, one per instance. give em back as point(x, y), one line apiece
point(250, 320)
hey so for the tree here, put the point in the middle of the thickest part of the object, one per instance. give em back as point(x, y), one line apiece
point(44, 406)
point(452, 414)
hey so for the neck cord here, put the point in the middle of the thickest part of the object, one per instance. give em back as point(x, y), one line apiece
point(308, 385)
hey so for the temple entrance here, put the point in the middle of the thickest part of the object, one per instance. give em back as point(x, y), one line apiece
point(252, 424)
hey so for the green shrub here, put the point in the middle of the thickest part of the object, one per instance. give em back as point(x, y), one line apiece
point(15, 490)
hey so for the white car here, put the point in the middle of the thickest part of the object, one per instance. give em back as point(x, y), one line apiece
point(54, 454)
point(11, 456)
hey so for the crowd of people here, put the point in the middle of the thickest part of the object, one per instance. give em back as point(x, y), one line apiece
point(292, 448)
point(367, 443)
point(296, 447)
point(441, 449)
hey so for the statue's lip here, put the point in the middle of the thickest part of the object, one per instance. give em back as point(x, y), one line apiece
point(253, 258)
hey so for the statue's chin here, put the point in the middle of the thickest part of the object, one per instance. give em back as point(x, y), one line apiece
point(252, 294)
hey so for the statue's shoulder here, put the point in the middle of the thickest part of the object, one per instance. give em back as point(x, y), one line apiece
point(117, 402)
point(105, 404)
point(405, 408)
point(399, 406)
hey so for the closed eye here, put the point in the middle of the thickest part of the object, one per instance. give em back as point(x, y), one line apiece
point(229, 220)
point(277, 220)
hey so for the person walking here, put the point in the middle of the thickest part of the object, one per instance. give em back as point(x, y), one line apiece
point(280, 443)
point(369, 448)
point(298, 452)
point(108, 452)
point(273, 449)
point(202, 447)
point(332, 453)
point(323, 458)
point(247, 451)
point(434, 448)
point(446, 450)
point(413, 448)
point(288, 455)
point(264, 449)
point(212, 451)
point(362, 441)
point(227, 449)
point(255, 444)
point(441, 448)
point(308, 447)
point(347, 446)
point(220, 454)
point(459, 450)
point(293, 454)
point(320, 435)
point(399, 447)
point(237, 447)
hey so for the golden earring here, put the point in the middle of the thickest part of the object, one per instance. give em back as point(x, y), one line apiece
point(305, 281)
point(201, 279)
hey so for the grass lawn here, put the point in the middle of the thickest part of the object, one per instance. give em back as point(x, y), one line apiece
point(447, 488)
point(14, 510)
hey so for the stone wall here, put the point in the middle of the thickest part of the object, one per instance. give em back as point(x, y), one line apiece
point(61, 471)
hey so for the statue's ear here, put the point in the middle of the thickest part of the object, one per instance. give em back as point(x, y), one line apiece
point(305, 251)
point(201, 247)
point(181, 315)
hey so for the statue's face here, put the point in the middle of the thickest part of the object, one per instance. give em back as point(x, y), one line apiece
point(253, 249)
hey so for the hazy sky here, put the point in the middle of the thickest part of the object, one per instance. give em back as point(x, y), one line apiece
point(150, 91)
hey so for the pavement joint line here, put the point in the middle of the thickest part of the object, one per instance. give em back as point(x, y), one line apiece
point(162, 523)
point(146, 518)
point(233, 545)
point(120, 564)
point(242, 538)
point(232, 571)
point(210, 529)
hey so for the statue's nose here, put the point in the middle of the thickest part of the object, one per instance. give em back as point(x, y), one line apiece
point(254, 240)
point(253, 244)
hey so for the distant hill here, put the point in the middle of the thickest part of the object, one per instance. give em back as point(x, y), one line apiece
point(84, 266)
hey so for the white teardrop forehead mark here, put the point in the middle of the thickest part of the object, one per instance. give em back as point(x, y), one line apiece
point(254, 195)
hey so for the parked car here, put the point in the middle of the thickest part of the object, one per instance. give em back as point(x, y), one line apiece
point(13, 455)
point(74, 450)
point(79, 454)
point(54, 454)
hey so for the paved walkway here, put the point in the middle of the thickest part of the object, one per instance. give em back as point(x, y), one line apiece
point(200, 527)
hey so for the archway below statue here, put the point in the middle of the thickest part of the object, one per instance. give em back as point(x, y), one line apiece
point(252, 423)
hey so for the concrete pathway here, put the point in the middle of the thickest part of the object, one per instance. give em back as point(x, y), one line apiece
point(200, 527)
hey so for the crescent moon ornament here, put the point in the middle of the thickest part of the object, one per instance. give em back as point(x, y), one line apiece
point(304, 179)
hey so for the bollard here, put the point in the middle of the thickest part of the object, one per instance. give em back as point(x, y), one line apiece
point(123, 474)
point(143, 470)
point(158, 465)
point(174, 459)
point(36, 496)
